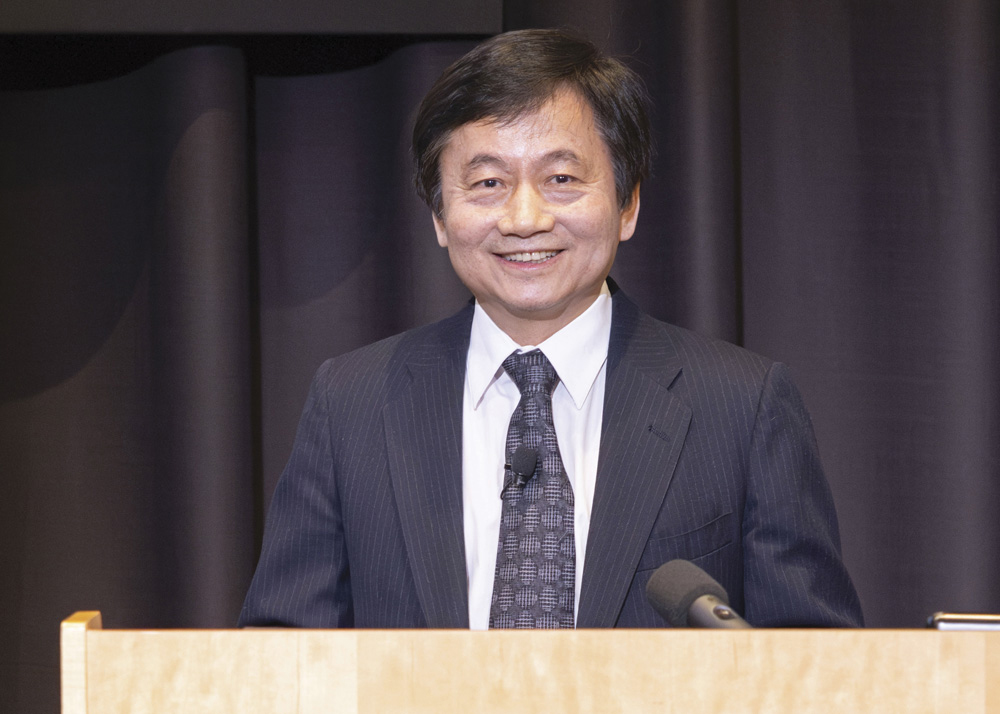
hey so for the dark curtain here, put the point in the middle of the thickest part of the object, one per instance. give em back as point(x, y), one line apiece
point(182, 244)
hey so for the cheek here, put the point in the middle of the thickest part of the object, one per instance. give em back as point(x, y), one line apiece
point(467, 229)
point(598, 228)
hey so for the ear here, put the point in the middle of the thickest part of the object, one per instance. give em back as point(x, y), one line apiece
point(630, 214)
point(442, 233)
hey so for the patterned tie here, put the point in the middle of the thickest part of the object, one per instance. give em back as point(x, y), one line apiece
point(535, 579)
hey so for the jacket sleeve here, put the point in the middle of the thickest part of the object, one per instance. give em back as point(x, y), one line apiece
point(303, 577)
point(793, 572)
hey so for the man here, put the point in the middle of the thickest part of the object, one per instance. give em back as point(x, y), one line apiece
point(530, 461)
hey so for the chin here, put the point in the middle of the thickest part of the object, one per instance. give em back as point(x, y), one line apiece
point(537, 310)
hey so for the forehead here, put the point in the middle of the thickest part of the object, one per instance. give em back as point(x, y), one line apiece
point(563, 124)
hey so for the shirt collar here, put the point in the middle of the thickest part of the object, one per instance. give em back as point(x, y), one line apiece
point(577, 351)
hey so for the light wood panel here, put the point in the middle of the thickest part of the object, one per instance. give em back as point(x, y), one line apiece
point(682, 671)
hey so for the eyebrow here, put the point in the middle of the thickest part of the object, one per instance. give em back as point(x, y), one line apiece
point(562, 155)
point(480, 160)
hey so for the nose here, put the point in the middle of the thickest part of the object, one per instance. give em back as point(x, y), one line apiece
point(526, 213)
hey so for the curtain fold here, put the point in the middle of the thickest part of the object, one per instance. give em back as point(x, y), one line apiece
point(199, 330)
point(125, 418)
point(871, 265)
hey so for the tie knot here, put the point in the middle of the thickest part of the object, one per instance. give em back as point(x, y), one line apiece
point(532, 372)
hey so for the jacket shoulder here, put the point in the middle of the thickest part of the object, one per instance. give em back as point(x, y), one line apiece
point(380, 365)
point(650, 344)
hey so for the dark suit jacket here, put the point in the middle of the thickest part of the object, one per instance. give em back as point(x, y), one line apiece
point(707, 454)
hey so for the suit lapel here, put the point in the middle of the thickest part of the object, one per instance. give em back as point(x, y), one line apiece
point(423, 430)
point(643, 431)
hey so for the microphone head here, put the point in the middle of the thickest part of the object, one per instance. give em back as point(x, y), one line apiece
point(523, 462)
point(674, 587)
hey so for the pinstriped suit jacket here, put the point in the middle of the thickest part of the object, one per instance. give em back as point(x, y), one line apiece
point(707, 454)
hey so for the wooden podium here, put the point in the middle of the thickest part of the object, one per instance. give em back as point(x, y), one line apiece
point(383, 671)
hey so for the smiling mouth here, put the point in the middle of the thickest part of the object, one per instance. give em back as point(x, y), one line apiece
point(533, 257)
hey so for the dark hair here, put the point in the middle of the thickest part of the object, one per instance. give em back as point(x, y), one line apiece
point(514, 74)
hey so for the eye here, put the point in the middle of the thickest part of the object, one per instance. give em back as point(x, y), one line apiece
point(562, 178)
point(490, 183)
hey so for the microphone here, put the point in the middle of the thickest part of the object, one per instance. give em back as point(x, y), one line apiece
point(522, 468)
point(686, 596)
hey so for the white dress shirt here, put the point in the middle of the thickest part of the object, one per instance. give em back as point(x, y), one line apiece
point(579, 354)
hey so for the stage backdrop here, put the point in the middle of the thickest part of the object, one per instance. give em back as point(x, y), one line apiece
point(189, 226)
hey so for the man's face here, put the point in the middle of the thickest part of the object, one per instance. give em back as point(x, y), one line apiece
point(530, 215)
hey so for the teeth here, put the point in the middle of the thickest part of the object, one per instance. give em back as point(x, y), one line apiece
point(536, 257)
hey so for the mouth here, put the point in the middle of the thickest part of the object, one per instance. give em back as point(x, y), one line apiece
point(530, 257)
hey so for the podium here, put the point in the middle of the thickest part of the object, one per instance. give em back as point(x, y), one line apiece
point(278, 671)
